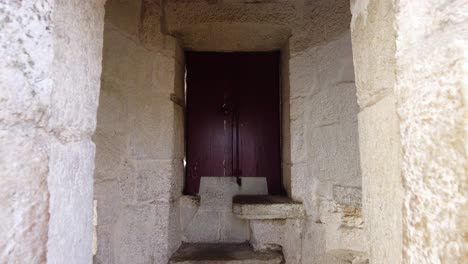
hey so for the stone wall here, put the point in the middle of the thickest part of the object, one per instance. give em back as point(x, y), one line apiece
point(431, 89)
point(233, 25)
point(412, 125)
point(139, 139)
point(49, 82)
point(320, 135)
point(324, 143)
point(373, 39)
point(410, 76)
point(208, 218)
point(323, 116)
point(138, 133)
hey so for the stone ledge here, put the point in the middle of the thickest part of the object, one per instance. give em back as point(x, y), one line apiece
point(224, 253)
point(266, 207)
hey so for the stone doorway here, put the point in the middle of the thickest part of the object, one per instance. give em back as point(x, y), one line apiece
point(409, 62)
point(233, 118)
point(320, 156)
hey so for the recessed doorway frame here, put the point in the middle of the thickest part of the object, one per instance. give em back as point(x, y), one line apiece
point(275, 187)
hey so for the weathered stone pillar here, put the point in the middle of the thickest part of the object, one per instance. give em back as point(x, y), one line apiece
point(410, 60)
point(49, 81)
point(139, 137)
point(373, 40)
point(431, 93)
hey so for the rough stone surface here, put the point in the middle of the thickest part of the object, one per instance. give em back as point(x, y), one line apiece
point(323, 143)
point(213, 221)
point(225, 253)
point(267, 234)
point(343, 231)
point(431, 100)
point(51, 75)
point(138, 127)
point(314, 245)
point(373, 37)
point(292, 240)
point(23, 199)
point(139, 142)
point(27, 56)
point(266, 207)
point(49, 83)
point(381, 177)
point(323, 111)
point(77, 68)
point(255, 25)
point(347, 195)
point(25, 88)
point(71, 202)
point(320, 141)
point(79, 72)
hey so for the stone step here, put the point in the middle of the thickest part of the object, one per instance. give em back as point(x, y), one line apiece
point(195, 253)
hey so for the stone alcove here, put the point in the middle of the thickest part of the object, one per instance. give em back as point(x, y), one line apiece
point(410, 79)
point(140, 140)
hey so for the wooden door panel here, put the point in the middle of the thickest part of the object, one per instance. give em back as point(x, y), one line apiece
point(259, 118)
point(209, 129)
point(243, 137)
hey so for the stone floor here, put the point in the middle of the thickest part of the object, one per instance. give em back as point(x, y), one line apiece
point(224, 253)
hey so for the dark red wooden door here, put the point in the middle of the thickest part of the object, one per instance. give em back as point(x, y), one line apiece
point(233, 125)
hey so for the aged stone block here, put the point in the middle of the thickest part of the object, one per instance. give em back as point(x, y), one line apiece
point(188, 208)
point(335, 103)
point(373, 36)
point(214, 222)
point(127, 179)
point(113, 108)
point(298, 140)
point(109, 206)
point(299, 188)
point(334, 153)
point(381, 179)
point(266, 207)
point(174, 229)
point(267, 234)
point(105, 247)
point(344, 232)
point(216, 192)
point(292, 240)
point(27, 57)
point(131, 70)
point(70, 185)
point(153, 134)
point(233, 229)
point(124, 15)
point(111, 153)
point(314, 246)
point(24, 196)
point(348, 195)
point(141, 234)
point(205, 227)
point(77, 74)
point(304, 79)
point(158, 180)
point(432, 104)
